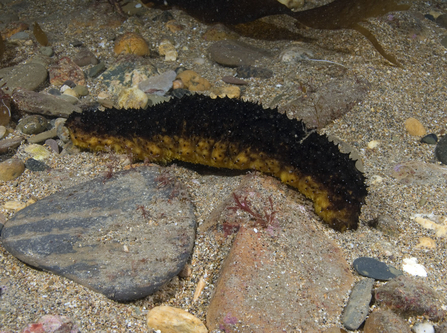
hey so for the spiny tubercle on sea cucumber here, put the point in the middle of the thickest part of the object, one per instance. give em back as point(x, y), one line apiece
point(227, 133)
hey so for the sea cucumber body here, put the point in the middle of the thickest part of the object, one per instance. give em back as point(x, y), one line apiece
point(232, 134)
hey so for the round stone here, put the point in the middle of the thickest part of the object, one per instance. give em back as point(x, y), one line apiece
point(11, 169)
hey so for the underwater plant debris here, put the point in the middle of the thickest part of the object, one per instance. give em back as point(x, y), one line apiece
point(40, 35)
point(339, 14)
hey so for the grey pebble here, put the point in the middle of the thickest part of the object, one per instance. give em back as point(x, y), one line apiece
point(234, 53)
point(41, 137)
point(386, 224)
point(357, 309)
point(430, 139)
point(21, 35)
point(45, 104)
point(375, 269)
point(35, 165)
point(81, 90)
point(9, 144)
point(47, 51)
point(96, 70)
point(85, 57)
point(52, 144)
point(121, 234)
point(34, 124)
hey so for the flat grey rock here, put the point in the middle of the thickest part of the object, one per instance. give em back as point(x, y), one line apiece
point(26, 76)
point(375, 269)
point(357, 309)
point(40, 103)
point(124, 235)
point(235, 53)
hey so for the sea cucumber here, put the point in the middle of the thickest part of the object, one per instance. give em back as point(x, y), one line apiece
point(233, 134)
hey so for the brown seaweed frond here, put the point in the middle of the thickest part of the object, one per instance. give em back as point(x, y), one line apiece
point(365, 32)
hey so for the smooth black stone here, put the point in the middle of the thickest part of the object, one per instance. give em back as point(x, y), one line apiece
point(35, 165)
point(430, 139)
point(124, 234)
point(441, 150)
point(375, 269)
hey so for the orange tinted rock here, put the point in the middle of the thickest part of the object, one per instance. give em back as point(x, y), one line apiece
point(131, 43)
point(264, 285)
point(13, 28)
point(193, 81)
point(414, 127)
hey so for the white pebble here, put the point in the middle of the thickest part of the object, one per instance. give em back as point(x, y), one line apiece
point(373, 144)
point(413, 268)
point(423, 328)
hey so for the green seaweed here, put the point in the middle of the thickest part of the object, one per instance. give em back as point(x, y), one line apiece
point(339, 14)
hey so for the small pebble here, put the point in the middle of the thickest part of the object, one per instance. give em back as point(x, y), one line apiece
point(14, 205)
point(96, 70)
point(423, 328)
point(173, 320)
point(34, 124)
point(38, 152)
point(411, 267)
point(375, 269)
point(193, 81)
point(35, 165)
point(47, 51)
point(11, 169)
point(131, 43)
point(426, 243)
point(52, 144)
point(132, 98)
point(81, 90)
point(386, 224)
point(430, 139)
point(414, 127)
point(373, 144)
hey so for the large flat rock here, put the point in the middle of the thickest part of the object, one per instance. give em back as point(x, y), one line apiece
point(124, 235)
point(283, 276)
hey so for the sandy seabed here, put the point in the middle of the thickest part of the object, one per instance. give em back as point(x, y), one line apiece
point(416, 90)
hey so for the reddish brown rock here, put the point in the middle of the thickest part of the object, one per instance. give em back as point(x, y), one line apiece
point(282, 275)
point(410, 297)
point(385, 321)
point(65, 70)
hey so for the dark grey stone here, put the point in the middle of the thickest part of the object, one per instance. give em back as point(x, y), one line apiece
point(430, 139)
point(124, 234)
point(35, 165)
point(357, 309)
point(375, 269)
point(441, 150)
point(234, 53)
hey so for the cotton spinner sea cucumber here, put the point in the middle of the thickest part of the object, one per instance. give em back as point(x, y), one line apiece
point(233, 134)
